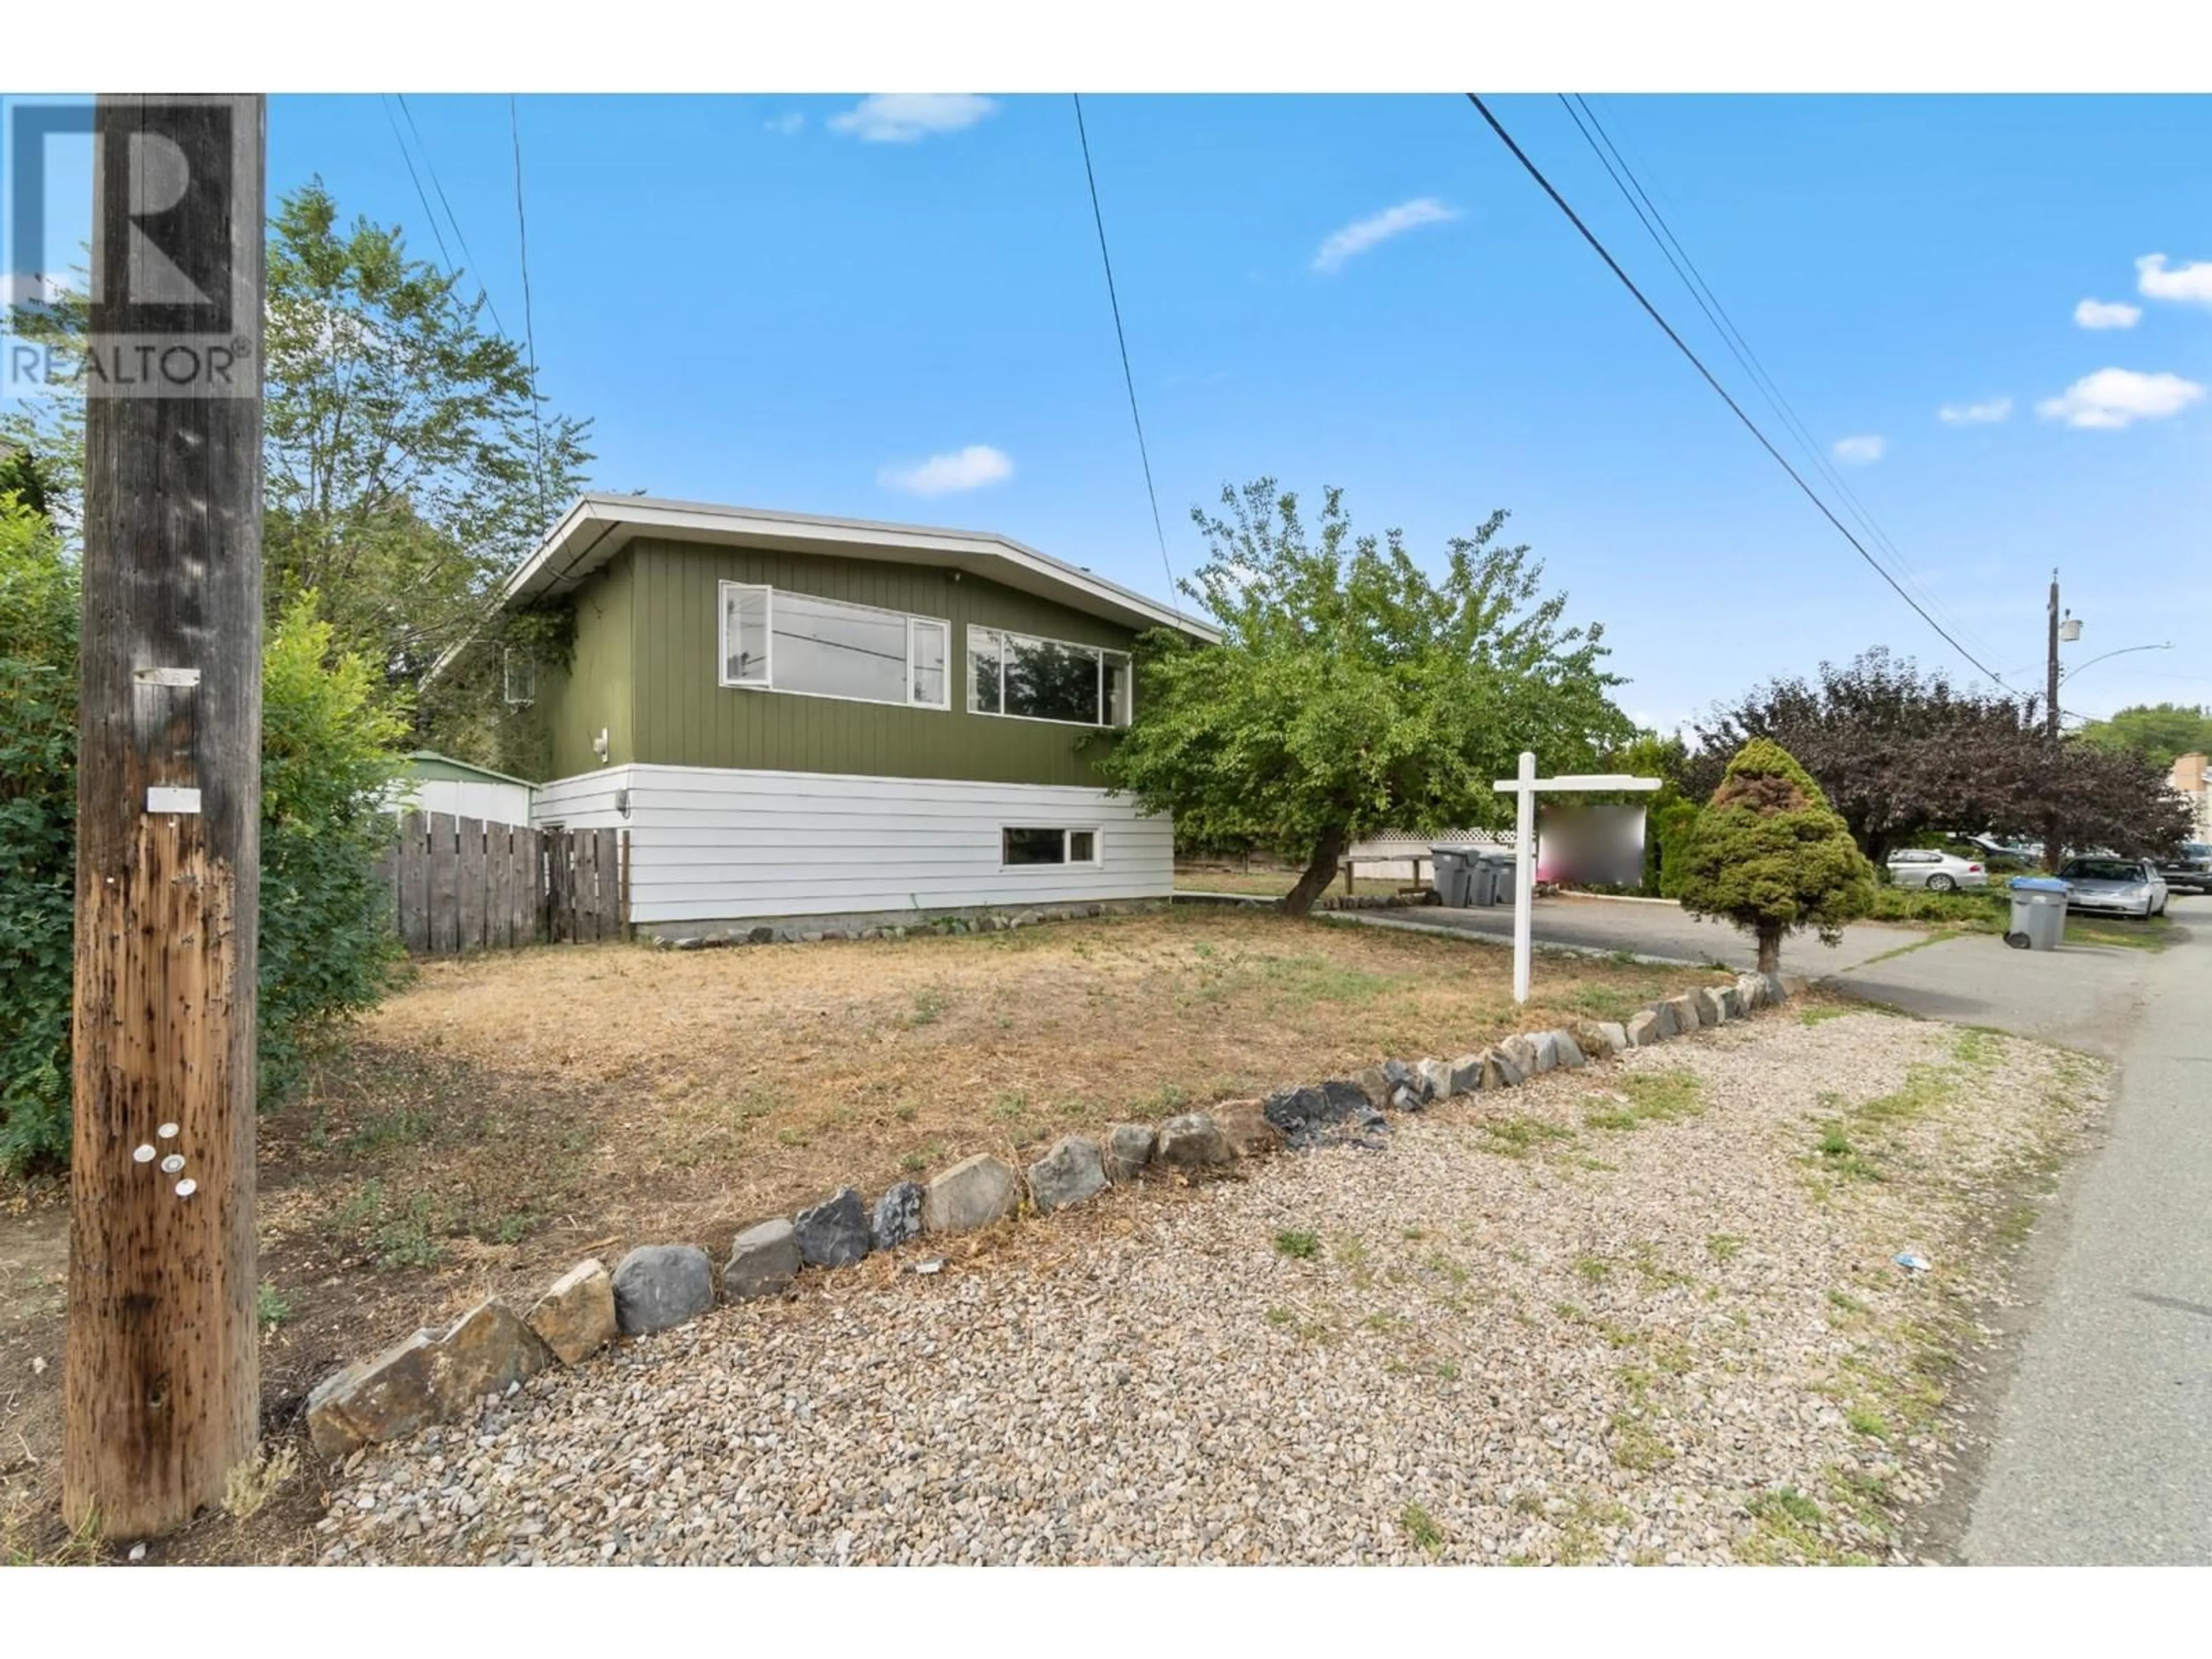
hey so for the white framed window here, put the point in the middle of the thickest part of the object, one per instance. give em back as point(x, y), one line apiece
point(1026, 678)
point(1021, 846)
point(517, 676)
point(775, 640)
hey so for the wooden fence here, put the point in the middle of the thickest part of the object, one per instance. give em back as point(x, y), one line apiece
point(462, 885)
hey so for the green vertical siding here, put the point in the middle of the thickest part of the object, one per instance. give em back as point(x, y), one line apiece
point(681, 716)
point(599, 687)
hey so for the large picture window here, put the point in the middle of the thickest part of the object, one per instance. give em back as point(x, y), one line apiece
point(1039, 679)
point(774, 640)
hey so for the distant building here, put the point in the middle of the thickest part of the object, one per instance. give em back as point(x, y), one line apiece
point(431, 782)
point(2187, 779)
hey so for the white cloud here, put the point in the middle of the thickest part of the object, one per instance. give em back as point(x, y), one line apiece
point(1358, 237)
point(786, 124)
point(2190, 282)
point(2107, 314)
point(1984, 413)
point(2120, 396)
point(942, 475)
point(900, 117)
point(1859, 452)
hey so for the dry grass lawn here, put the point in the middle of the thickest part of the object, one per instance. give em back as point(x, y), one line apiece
point(503, 1115)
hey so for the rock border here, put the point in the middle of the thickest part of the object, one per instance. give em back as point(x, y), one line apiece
point(490, 1350)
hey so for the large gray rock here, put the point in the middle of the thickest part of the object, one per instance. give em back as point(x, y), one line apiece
point(1713, 1005)
point(1567, 1053)
point(834, 1232)
point(427, 1379)
point(1612, 1034)
point(1664, 1016)
point(1643, 1030)
point(576, 1318)
point(763, 1260)
point(1468, 1074)
point(659, 1285)
point(1338, 1110)
point(971, 1195)
point(1777, 989)
point(1502, 1061)
point(1375, 1086)
point(1688, 1018)
point(897, 1217)
point(1519, 1052)
point(1400, 1076)
point(1128, 1149)
point(1070, 1172)
point(1750, 993)
point(1193, 1141)
point(1437, 1078)
point(1543, 1049)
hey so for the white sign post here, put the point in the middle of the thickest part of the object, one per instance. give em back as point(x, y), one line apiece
point(1525, 788)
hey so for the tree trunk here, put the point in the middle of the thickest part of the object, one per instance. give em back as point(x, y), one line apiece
point(1770, 950)
point(1329, 851)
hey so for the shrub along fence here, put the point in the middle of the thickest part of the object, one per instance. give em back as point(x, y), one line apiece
point(460, 884)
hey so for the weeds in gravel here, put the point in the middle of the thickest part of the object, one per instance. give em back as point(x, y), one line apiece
point(252, 1483)
point(1595, 1268)
point(1864, 1420)
point(1635, 1447)
point(1723, 1247)
point(1298, 1246)
point(1517, 1136)
point(1822, 1012)
point(19, 1546)
point(1648, 1097)
point(1421, 1527)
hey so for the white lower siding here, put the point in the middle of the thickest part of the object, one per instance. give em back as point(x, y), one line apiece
point(711, 845)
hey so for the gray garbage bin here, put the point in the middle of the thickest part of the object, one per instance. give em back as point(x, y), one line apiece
point(2038, 913)
point(1493, 878)
point(1452, 876)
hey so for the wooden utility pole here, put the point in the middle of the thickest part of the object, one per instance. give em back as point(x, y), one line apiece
point(162, 1383)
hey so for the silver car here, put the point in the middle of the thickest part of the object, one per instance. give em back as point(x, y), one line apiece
point(2120, 887)
point(1939, 872)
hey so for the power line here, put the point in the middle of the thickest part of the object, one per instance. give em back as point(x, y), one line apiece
point(1735, 408)
point(1122, 340)
point(459, 235)
point(1670, 245)
point(420, 196)
point(529, 327)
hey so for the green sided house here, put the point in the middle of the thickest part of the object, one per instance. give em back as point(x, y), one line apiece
point(801, 717)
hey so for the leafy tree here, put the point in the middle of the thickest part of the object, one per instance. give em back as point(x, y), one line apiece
point(1898, 752)
point(1772, 856)
point(1351, 692)
point(410, 463)
point(2157, 732)
point(37, 834)
point(24, 478)
point(327, 942)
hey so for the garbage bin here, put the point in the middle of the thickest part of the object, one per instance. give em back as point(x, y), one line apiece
point(2038, 913)
point(1452, 876)
point(1490, 882)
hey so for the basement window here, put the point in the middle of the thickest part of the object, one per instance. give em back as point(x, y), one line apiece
point(1025, 845)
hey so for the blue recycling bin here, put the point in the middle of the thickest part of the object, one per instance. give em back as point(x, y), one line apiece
point(2038, 913)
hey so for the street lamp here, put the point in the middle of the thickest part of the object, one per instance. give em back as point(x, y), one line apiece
point(2122, 652)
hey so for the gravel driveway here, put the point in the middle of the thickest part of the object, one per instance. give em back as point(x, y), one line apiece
point(1635, 1314)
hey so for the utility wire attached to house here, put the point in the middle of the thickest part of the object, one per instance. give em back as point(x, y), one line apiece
point(1735, 408)
point(529, 327)
point(1122, 340)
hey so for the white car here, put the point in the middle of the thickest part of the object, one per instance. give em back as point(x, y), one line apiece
point(1939, 872)
point(2125, 887)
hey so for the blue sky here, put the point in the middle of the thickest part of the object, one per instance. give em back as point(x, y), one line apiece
point(797, 302)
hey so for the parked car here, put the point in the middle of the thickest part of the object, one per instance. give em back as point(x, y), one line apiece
point(1939, 872)
point(2125, 887)
point(2190, 870)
